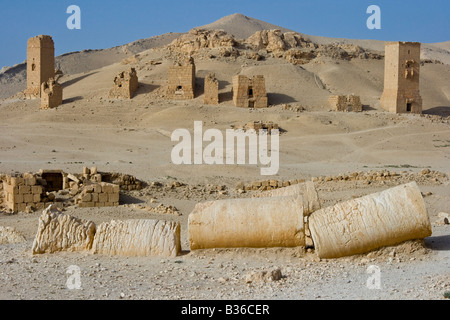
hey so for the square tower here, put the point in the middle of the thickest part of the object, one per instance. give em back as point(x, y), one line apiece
point(401, 78)
point(182, 80)
point(125, 85)
point(249, 92)
point(40, 64)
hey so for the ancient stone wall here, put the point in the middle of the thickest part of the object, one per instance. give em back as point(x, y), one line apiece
point(40, 64)
point(266, 185)
point(346, 103)
point(51, 94)
point(181, 78)
point(355, 103)
point(125, 85)
point(249, 92)
point(99, 195)
point(401, 78)
point(211, 90)
point(25, 191)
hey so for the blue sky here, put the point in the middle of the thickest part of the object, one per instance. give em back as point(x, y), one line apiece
point(110, 23)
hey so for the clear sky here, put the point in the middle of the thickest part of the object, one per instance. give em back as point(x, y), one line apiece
point(110, 23)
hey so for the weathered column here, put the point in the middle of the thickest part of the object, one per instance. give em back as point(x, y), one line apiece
point(59, 232)
point(138, 238)
point(361, 225)
point(307, 189)
point(252, 223)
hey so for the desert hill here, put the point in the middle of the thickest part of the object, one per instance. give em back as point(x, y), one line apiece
point(243, 27)
point(240, 27)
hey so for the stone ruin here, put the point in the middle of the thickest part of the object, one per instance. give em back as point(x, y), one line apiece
point(382, 219)
point(211, 90)
point(181, 78)
point(40, 64)
point(126, 84)
point(378, 220)
point(249, 92)
point(346, 103)
point(29, 192)
point(401, 78)
point(59, 232)
point(99, 195)
point(261, 125)
point(51, 94)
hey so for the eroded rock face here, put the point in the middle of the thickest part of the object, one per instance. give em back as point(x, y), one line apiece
point(379, 220)
point(251, 223)
point(59, 232)
point(198, 39)
point(276, 41)
point(10, 235)
point(138, 238)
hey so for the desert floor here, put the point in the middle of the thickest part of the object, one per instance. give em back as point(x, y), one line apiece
point(137, 142)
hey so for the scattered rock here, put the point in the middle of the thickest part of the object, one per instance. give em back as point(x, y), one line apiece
point(443, 218)
point(10, 235)
point(264, 276)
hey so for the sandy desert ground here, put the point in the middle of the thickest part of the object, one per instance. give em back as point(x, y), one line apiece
point(133, 137)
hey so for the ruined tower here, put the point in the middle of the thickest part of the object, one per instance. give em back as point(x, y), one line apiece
point(249, 92)
point(211, 90)
point(40, 64)
point(125, 85)
point(182, 80)
point(51, 94)
point(401, 78)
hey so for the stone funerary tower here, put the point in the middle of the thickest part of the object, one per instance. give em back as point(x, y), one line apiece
point(182, 80)
point(249, 92)
point(401, 78)
point(40, 64)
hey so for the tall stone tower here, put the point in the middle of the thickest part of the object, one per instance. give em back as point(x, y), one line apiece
point(401, 78)
point(40, 64)
point(249, 92)
point(182, 80)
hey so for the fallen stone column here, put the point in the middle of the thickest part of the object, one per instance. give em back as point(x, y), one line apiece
point(250, 223)
point(307, 190)
point(60, 232)
point(379, 220)
point(138, 238)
